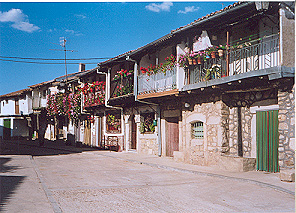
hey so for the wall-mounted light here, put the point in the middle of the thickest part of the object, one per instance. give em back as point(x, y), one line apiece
point(187, 105)
point(262, 5)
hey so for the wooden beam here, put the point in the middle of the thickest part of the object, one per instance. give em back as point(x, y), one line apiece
point(158, 94)
point(227, 53)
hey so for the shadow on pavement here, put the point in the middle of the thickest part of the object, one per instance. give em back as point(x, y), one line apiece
point(8, 184)
point(31, 147)
point(4, 168)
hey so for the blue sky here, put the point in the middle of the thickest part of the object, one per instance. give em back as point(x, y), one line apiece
point(93, 30)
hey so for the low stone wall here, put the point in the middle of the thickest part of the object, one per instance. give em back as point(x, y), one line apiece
point(237, 164)
point(148, 146)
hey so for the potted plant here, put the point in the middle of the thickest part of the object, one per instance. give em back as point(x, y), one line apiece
point(221, 50)
point(213, 72)
point(212, 51)
point(201, 56)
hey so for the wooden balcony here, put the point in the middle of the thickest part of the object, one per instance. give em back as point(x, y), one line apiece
point(94, 98)
point(123, 86)
point(158, 84)
point(260, 54)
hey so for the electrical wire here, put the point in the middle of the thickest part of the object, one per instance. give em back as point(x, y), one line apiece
point(54, 59)
point(35, 62)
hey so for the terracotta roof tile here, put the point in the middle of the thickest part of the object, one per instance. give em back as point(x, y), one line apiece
point(16, 93)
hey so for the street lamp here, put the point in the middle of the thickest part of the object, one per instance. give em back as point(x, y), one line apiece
point(262, 5)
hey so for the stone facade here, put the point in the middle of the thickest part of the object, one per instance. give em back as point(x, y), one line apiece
point(204, 151)
point(246, 118)
point(286, 100)
point(148, 146)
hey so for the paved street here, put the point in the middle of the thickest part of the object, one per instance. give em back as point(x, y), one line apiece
point(69, 180)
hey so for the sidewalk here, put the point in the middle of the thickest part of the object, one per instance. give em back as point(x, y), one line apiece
point(265, 179)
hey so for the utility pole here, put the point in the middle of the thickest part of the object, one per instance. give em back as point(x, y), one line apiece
point(63, 44)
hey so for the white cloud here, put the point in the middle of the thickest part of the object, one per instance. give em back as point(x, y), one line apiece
point(189, 10)
point(70, 31)
point(165, 6)
point(80, 16)
point(19, 19)
point(25, 26)
point(73, 32)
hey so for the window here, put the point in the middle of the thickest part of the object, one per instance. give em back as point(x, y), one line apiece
point(147, 124)
point(43, 93)
point(113, 122)
point(197, 130)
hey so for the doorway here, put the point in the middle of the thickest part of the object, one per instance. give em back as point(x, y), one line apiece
point(7, 129)
point(267, 139)
point(134, 134)
point(172, 136)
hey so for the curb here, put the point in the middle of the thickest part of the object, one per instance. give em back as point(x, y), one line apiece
point(205, 174)
point(53, 202)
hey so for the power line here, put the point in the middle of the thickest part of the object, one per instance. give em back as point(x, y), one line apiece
point(35, 62)
point(54, 59)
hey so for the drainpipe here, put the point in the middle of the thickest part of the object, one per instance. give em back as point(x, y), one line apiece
point(107, 95)
point(136, 99)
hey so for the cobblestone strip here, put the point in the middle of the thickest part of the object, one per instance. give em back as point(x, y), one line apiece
point(206, 174)
point(54, 203)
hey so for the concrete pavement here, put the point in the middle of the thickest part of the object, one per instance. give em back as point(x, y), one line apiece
point(70, 179)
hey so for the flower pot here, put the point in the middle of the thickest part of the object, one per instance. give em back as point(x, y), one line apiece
point(213, 54)
point(220, 53)
point(190, 61)
point(194, 61)
point(199, 60)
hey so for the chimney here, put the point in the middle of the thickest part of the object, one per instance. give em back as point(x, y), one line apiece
point(81, 67)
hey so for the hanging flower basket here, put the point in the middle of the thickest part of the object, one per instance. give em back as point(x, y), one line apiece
point(220, 53)
point(190, 61)
point(213, 54)
point(194, 61)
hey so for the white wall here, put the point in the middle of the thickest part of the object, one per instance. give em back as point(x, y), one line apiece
point(8, 108)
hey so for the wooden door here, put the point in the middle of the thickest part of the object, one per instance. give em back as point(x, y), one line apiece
point(17, 107)
point(172, 136)
point(7, 129)
point(87, 133)
point(134, 134)
point(267, 133)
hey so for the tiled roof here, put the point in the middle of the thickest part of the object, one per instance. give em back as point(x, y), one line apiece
point(41, 84)
point(16, 93)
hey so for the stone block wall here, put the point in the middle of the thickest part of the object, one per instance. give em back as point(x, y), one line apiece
point(233, 132)
point(246, 118)
point(148, 146)
point(246, 131)
point(204, 151)
point(286, 101)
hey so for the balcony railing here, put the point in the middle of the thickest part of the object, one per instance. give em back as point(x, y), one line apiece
point(122, 86)
point(93, 94)
point(255, 55)
point(158, 82)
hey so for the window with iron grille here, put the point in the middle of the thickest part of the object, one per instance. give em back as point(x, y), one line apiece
point(197, 130)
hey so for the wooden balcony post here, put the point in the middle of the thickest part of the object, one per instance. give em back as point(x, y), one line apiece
point(227, 53)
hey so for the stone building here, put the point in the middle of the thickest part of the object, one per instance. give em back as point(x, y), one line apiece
point(235, 110)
